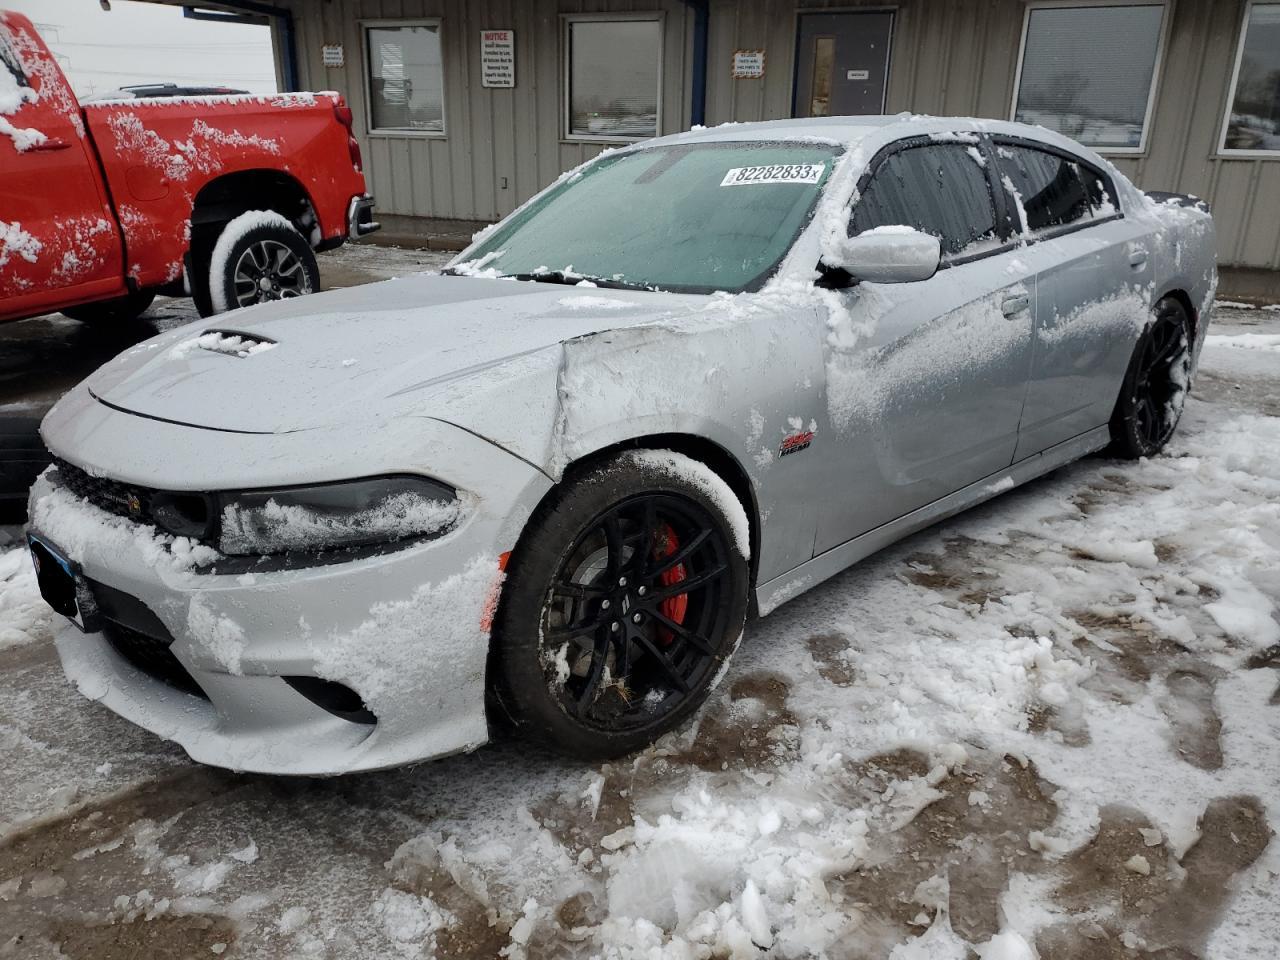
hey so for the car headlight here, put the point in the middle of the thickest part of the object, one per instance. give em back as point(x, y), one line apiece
point(334, 515)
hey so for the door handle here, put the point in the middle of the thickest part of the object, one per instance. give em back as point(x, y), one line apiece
point(1015, 303)
point(1137, 257)
point(50, 143)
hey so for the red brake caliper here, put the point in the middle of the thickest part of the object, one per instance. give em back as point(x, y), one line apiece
point(673, 608)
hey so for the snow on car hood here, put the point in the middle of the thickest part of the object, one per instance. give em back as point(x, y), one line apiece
point(392, 348)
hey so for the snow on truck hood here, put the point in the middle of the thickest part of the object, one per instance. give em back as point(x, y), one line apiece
point(386, 349)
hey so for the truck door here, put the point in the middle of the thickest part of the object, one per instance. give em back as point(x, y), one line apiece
point(59, 243)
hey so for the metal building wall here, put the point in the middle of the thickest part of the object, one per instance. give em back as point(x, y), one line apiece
point(489, 134)
point(955, 57)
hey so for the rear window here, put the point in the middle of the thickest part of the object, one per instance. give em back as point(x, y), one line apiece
point(1051, 191)
point(940, 189)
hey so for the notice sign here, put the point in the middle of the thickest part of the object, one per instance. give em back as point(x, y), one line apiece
point(331, 55)
point(748, 64)
point(498, 58)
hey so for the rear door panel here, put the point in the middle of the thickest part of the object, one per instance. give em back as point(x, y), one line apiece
point(1092, 298)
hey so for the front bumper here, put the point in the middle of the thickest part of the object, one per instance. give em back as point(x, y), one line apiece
point(406, 630)
point(360, 222)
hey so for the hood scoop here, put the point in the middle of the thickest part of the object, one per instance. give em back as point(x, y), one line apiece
point(230, 343)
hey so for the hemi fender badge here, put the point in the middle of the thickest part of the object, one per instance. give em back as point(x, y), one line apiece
point(795, 443)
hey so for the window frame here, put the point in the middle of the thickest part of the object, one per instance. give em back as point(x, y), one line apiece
point(367, 79)
point(566, 92)
point(1222, 149)
point(994, 141)
point(1157, 68)
point(1005, 215)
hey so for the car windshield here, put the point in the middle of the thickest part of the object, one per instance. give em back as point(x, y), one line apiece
point(692, 218)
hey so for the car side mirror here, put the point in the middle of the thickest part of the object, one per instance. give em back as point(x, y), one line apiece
point(885, 255)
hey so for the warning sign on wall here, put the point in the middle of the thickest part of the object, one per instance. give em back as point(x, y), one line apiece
point(498, 58)
point(748, 64)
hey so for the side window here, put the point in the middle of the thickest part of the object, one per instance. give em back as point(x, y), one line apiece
point(1048, 188)
point(938, 189)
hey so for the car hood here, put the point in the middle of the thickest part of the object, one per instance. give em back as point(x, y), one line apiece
point(385, 349)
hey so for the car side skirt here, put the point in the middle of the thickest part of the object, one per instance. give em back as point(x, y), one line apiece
point(774, 593)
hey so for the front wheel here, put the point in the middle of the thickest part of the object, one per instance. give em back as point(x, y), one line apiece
point(260, 256)
point(1155, 385)
point(622, 604)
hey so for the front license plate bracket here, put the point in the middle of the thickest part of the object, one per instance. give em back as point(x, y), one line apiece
point(62, 584)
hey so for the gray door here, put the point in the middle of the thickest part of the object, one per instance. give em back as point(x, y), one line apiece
point(1091, 267)
point(926, 387)
point(842, 63)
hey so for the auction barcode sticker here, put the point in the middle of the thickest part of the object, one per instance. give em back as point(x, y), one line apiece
point(774, 173)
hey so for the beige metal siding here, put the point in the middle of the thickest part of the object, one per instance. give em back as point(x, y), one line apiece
point(956, 57)
point(490, 134)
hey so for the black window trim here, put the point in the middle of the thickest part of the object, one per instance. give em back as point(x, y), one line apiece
point(957, 138)
point(995, 141)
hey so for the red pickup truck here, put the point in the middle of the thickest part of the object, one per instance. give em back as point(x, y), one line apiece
point(224, 198)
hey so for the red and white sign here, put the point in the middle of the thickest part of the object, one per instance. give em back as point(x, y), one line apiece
point(498, 58)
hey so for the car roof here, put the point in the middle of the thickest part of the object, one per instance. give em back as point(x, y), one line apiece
point(871, 131)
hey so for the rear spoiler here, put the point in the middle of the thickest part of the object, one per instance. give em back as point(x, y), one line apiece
point(1178, 199)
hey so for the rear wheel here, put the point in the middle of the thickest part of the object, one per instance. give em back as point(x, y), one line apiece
point(1155, 385)
point(621, 606)
point(121, 310)
point(260, 256)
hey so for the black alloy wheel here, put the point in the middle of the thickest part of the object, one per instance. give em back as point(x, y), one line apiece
point(1156, 384)
point(617, 637)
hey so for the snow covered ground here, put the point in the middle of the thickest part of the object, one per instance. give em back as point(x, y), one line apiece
point(1047, 727)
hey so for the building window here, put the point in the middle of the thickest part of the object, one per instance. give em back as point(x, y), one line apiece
point(613, 77)
point(1088, 71)
point(1253, 114)
point(405, 79)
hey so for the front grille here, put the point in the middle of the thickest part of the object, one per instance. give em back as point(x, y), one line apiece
point(122, 499)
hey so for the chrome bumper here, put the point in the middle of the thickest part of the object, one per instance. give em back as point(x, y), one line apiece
point(360, 222)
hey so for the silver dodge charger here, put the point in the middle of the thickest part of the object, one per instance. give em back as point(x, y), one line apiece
point(543, 490)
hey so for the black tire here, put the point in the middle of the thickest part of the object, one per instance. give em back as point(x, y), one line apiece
point(603, 552)
point(1155, 386)
point(267, 261)
point(124, 309)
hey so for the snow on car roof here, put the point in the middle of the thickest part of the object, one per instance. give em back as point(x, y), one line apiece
point(848, 130)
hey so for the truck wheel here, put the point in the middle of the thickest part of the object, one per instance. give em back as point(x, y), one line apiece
point(260, 256)
point(120, 310)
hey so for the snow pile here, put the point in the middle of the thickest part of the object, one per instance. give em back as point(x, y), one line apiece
point(587, 302)
point(1269, 342)
point(381, 658)
point(79, 528)
point(14, 241)
point(24, 616)
point(275, 526)
point(13, 96)
point(222, 341)
point(217, 633)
